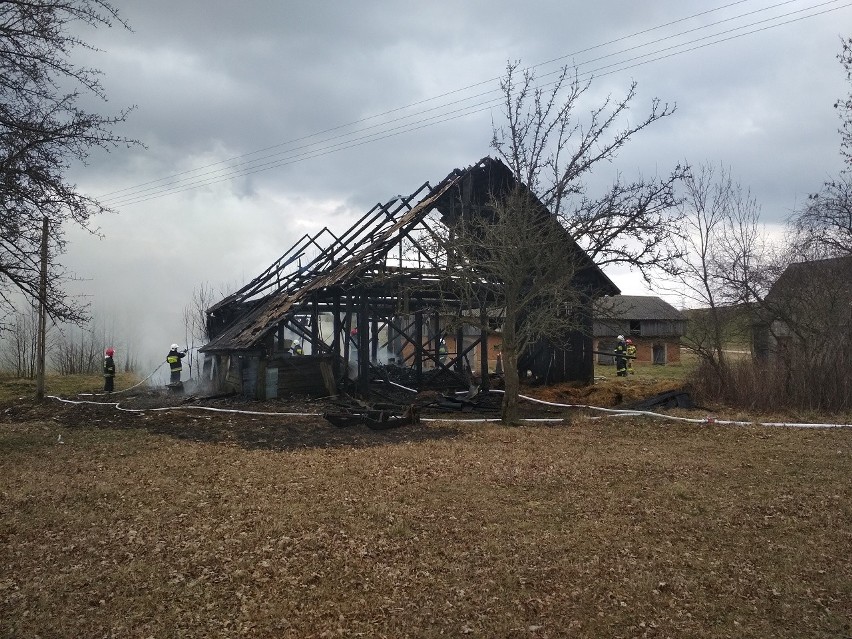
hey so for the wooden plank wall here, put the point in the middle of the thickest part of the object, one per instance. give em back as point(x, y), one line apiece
point(304, 375)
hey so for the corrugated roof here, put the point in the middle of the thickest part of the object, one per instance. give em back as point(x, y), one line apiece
point(636, 307)
point(835, 272)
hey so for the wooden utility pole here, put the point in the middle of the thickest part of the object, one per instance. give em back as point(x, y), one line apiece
point(42, 314)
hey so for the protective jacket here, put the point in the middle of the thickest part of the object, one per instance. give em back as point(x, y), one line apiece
point(631, 352)
point(109, 374)
point(174, 359)
point(620, 359)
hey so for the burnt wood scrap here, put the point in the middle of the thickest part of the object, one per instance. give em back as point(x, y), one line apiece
point(386, 415)
point(473, 400)
point(671, 399)
point(379, 417)
point(369, 306)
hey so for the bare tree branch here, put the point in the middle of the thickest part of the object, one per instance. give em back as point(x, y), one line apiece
point(552, 151)
point(42, 131)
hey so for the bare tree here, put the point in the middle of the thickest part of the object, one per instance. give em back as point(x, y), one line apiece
point(108, 331)
point(78, 352)
point(130, 359)
point(553, 151)
point(71, 349)
point(722, 269)
point(518, 263)
point(844, 105)
point(42, 130)
point(18, 354)
point(195, 322)
point(521, 258)
point(824, 226)
point(798, 292)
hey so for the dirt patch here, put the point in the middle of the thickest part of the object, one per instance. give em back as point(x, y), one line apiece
point(273, 425)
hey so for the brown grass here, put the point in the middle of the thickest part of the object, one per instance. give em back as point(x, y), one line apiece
point(616, 528)
point(12, 388)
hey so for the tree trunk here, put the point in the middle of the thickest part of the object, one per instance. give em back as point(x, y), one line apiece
point(509, 412)
point(41, 346)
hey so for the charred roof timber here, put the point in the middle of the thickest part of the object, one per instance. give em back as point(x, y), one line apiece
point(377, 284)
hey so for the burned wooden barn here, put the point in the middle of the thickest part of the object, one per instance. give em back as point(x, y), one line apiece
point(342, 313)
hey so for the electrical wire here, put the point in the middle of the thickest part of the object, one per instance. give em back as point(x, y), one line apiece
point(176, 184)
point(442, 95)
point(433, 98)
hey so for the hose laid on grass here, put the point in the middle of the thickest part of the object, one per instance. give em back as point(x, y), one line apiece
point(163, 408)
point(125, 389)
point(613, 411)
point(691, 420)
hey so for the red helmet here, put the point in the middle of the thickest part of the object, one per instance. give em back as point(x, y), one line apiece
point(629, 341)
point(110, 351)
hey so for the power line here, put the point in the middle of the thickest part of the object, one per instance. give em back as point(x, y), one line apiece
point(232, 171)
point(176, 184)
point(208, 175)
point(437, 97)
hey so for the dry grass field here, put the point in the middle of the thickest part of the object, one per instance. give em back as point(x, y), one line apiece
point(202, 524)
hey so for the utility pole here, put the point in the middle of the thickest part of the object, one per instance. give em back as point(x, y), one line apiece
point(42, 314)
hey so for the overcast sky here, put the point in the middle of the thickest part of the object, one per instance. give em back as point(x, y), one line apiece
point(264, 120)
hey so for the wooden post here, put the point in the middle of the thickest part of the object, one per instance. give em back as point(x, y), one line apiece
point(418, 345)
point(42, 314)
point(459, 367)
point(363, 344)
point(483, 348)
point(315, 328)
point(260, 384)
point(335, 344)
point(374, 340)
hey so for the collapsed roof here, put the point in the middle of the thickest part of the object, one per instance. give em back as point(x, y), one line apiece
point(389, 241)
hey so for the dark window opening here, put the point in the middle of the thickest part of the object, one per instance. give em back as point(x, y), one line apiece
point(635, 327)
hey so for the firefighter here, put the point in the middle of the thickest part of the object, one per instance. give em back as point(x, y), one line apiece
point(620, 359)
point(174, 359)
point(109, 370)
point(442, 351)
point(631, 353)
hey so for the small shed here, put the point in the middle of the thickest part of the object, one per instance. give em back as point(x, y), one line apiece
point(654, 325)
point(809, 304)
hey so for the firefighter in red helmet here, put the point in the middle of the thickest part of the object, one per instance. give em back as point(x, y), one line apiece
point(631, 355)
point(109, 370)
